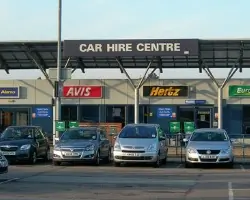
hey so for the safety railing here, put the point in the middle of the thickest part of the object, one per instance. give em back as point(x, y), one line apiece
point(240, 143)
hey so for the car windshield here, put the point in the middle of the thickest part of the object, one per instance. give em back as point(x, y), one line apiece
point(209, 136)
point(17, 133)
point(138, 132)
point(79, 134)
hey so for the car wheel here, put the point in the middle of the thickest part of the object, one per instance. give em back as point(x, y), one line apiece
point(188, 165)
point(33, 158)
point(97, 159)
point(230, 165)
point(47, 156)
point(116, 164)
point(157, 163)
point(56, 163)
point(108, 159)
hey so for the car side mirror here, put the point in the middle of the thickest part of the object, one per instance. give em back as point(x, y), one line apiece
point(115, 137)
point(57, 140)
point(232, 140)
point(185, 140)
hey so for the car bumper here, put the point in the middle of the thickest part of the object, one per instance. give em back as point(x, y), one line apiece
point(3, 170)
point(18, 156)
point(147, 157)
point(86, 156)
point(216, 159)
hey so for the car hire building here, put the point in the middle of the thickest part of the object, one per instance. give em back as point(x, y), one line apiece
point(161, 101)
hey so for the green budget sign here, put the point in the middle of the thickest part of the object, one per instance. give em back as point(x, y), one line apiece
point(239, 91)
point(174, 127)
point(189, 127)
point(60, 125)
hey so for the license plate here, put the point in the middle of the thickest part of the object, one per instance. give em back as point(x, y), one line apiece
point(9, 153)
point(71, 154)
point(208, 157)
point(132, 154)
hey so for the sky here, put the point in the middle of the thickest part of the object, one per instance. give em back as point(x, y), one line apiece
point(125, 19)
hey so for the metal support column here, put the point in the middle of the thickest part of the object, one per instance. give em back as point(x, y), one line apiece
point(137, 87)
point(59, 58)
point(220, 107)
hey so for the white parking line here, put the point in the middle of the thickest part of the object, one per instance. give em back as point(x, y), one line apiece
point(180, 165)
point(9, 180)
point(230, 191)
point(242, 168)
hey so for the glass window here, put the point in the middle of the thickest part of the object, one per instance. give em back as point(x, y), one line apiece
point(138, 132)
point(89, 113)
point(69, 113)
point(79, 134)
point(16, 133)
point(209, 136)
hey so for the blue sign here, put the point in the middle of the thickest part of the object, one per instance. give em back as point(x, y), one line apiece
point(164, 112)
point(9, 92)
point(42, 112)
point(195, 102)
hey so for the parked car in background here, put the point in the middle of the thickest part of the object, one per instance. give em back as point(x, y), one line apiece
point(82, 144)
point(209, 146)
point(3, 164)
point(140, 143)
point(24, 143)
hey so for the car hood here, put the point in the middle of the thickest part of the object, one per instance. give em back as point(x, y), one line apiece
point(136, 142)
point(209, 145)
point(19, 143)
point(75, 143)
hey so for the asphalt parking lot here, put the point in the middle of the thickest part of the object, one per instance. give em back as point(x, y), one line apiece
point(173, 181)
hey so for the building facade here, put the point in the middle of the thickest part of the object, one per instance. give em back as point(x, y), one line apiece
point(161, 101)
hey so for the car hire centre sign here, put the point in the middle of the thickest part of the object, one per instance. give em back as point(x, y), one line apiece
point(9, 92)
point(165, 91)
point(112, 48)
point(87, 91)
point(239, 91)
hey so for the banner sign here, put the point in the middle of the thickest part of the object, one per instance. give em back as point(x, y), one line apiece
point(9, 92)
point(195, 102)
point(239, 91)
point(149, 47)
point(165, 91)
point(42, 112)
point(164, 112)
point(88, 91)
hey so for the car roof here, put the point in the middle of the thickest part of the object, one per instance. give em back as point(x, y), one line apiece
point(219, 130)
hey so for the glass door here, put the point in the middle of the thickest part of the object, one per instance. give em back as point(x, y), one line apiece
point(203, 117)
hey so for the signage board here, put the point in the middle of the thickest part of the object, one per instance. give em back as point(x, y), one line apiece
point(189, 127)
point(174, 127)
point(148, 47)
point(82, 91)
point(43, 112)
point(60, 126)
point(165, 91)
point(9, 92)
point(73, 124)
point(195, 102)
point(239, 91)
point(164, 112)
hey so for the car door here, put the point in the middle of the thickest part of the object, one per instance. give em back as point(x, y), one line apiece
point(162, 141)
point(104, 144)
point(41, 143)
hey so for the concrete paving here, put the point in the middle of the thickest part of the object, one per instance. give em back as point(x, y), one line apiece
point(173, 181)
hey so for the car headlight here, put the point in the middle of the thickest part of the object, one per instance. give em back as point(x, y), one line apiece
point(151, 147)
point(25, 147)
point(90, 148)
point(190, 150)
point(226, 151)
point(117, 147)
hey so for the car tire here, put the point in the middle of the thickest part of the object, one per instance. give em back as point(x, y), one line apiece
point(230, 165)
point(33, 158)
point(56, 163)
point(164, 160)
point(97, 159)
point(108, 158)
point(47, 156)
point(157, 163)
point(188, 165)
point(116, 164)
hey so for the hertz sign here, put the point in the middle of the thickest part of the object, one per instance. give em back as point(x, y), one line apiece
point(165, 91)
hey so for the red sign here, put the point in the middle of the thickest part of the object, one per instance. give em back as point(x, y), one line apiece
point(87, 91)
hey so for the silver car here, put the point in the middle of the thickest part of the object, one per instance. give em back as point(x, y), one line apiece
point(209, 145)
point(140, 143)
point(84, 144)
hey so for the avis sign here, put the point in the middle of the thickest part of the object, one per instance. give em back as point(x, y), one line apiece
point(87, 92)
